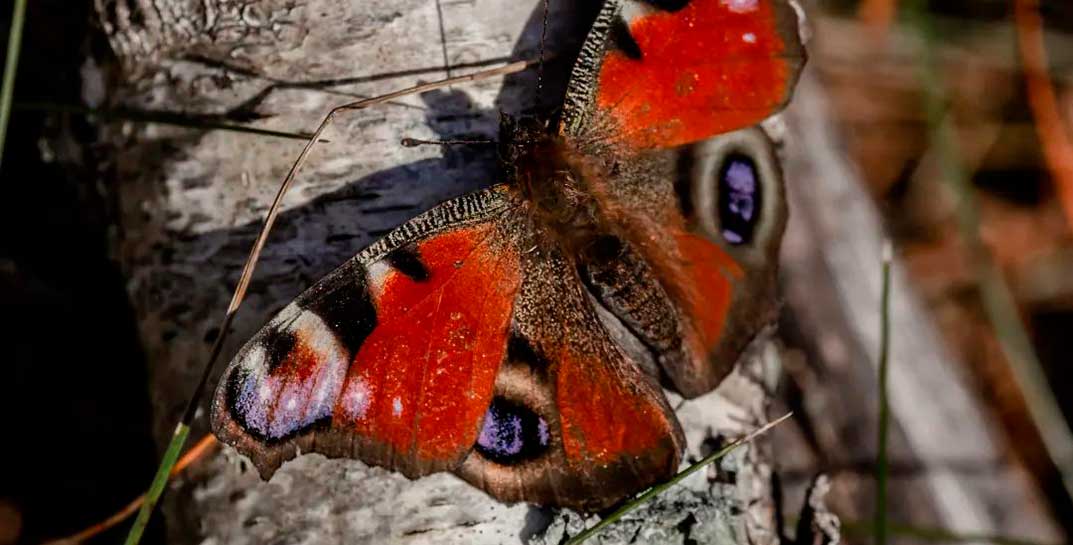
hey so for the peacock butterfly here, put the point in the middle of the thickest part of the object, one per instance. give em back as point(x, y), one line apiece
point(520, 336)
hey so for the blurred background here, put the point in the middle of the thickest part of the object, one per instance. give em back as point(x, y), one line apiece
point(944, 124)
point(954, 119)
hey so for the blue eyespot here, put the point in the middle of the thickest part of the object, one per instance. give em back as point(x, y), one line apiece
point(512, 433)
point(739, 199)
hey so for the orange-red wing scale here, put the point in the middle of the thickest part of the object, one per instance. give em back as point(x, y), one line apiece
point(575, 421)
point(708, 273)
point(423, 379)
point(606, 414)
point(676, 76)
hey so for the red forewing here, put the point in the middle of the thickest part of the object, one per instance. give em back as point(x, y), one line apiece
point(392, 358)
point(425, 374)
point(669, 73)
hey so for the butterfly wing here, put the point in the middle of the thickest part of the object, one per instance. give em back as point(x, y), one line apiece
point(655, 74)
point(464, 341)
point(690, 265)
point(453, 345)
point(728, 253)
point(668, 72)
point(391, 358)
point(575, 421)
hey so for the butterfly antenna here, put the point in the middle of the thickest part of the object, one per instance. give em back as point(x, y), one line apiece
point(543, 38)
point(182, 429)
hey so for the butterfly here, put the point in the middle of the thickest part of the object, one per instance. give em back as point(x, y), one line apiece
point(521, 336)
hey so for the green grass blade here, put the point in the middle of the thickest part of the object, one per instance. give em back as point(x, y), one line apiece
point(182, 429)
point(11, 65)
point(658, 489)
point(882, 468)
point(160, 480)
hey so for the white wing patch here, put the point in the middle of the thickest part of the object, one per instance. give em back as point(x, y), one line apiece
point(377, 273)
point(741, 6)
point(355, 400)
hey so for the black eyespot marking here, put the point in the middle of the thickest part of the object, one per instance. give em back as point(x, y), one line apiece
point(740, 199)
point(512, 433)
point(520, 350)
point(236, 381)
point(623, 40)
point(668, 5)
point(407, 261)
point(683, 183)
point(344, 304)
point(277, 347)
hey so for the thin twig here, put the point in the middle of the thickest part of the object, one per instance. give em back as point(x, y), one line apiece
point(878, 15)
point(194, 454)
point(415, 142)
point(11, 66)
point(1057, 146)
point(182, 429)
point(658, 489)
point(443, 40)
point(543, 39)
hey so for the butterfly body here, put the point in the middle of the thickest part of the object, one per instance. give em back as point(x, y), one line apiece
point(521, 335)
